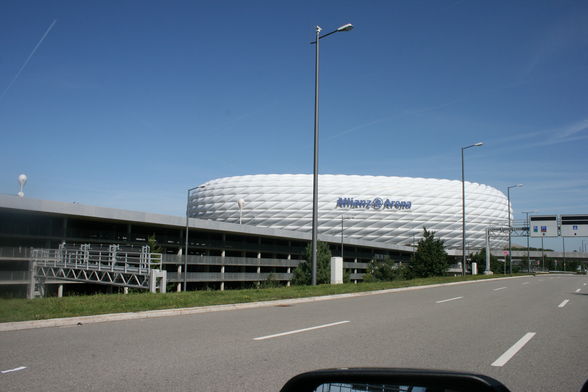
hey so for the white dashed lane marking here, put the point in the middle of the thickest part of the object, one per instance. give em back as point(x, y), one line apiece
point(300, 330)
point(13, 370)
point(511, 352)
point(447, 300)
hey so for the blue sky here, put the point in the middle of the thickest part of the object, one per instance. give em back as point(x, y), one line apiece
point(126, 104)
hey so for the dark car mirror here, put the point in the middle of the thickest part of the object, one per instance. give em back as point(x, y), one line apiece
point(391, 380)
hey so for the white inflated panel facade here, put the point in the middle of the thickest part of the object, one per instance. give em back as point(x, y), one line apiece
point(393, 210)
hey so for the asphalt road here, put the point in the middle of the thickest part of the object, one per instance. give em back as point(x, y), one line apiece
point(467, 327)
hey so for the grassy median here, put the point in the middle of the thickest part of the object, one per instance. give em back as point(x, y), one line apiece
point(47, 308)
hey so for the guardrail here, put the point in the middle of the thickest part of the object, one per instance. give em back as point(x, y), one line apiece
point(14, 276)
point(228, 276)
point(234, 261)
point(352, 265)
point(16, 252)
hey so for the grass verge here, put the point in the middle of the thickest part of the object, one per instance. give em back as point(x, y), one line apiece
point(71, 306)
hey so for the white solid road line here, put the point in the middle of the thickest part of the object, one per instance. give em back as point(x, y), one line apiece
point(525, 282)
point(508, 354)
point(301, 330)
point(564, 303)
point(13, 370)
point(447, 300)
point(500, 288)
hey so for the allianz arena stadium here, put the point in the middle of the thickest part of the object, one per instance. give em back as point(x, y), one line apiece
point(392, 210)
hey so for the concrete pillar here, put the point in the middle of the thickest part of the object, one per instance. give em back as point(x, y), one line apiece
point(31, 285)
point(125, 290)
point(258, 268)
point(157, 276)
point(289, 270)
point(355, 270)
point(60, 291)
point(222, 283)
point(163, 281)
point(179, 286)
point(152, 281)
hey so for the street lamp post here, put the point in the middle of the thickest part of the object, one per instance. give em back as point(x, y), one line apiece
point(318, 30)
point(543, 252)
point(510, 226)
point(563, 243)
point(528, 235)
point(463, 213)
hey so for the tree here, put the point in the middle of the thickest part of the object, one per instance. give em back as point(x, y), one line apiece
point(269, 283)
point(153, 245)
point(303, 273)
point(154, 248)
point(430, 258)
point(385, 270)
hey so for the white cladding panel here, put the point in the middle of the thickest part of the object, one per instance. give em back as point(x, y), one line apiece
point(284, 201)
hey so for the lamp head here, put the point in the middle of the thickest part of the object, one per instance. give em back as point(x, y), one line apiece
point(473, 145)
point(346, 27)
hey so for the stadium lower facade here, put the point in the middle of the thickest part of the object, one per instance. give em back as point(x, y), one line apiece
point(392, 210)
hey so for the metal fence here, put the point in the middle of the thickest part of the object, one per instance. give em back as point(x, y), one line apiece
point(228, 277)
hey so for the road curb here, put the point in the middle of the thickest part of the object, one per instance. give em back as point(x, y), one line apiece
point(81, 320)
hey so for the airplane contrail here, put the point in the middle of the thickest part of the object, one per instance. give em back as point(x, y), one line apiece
point(28, 59)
